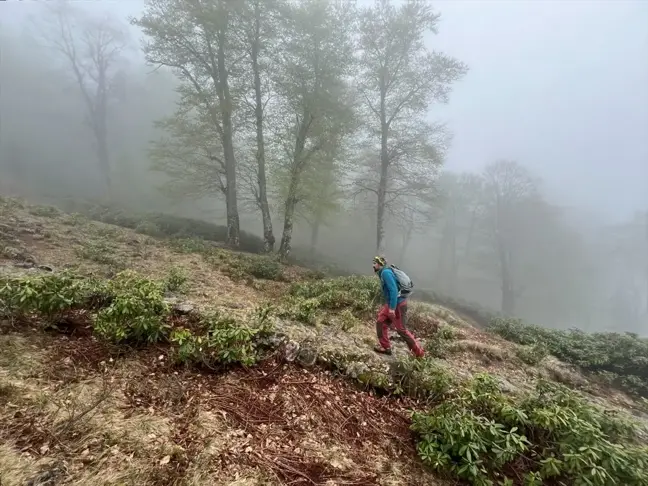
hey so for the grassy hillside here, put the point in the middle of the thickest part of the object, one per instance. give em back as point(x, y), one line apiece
point(148, 353)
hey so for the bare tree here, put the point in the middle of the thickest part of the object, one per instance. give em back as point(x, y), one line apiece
point(92, 47)
point(412, 216)
point(197, 40)
point(259, 29)
point(190, 154)
point(510, 194)
point(399, 78)
point(315, 105)
point(461, 207)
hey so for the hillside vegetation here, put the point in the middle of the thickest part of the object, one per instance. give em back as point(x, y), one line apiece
point(145, 352)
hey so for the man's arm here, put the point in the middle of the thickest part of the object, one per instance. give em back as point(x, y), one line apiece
point(392, 288)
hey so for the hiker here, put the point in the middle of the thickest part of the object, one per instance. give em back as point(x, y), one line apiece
point(394, 311)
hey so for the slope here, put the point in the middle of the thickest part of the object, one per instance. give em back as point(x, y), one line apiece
point(86, 399)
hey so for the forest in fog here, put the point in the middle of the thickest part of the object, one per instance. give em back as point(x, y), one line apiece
point(314, 125)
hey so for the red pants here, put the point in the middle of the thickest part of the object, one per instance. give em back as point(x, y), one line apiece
point(399, 322)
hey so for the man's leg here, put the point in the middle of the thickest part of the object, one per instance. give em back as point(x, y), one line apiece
point(400, 323)
point(382, 330)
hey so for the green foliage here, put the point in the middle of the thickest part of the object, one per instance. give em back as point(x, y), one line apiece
point(265, 268)
point(75, 219)
point(225, 342)
point(46, 295)
point(137, 311)
point(160, 224)
point(239, 266)
point(148, 228)
point(45, 211)
point(100, 252)
point(352, 297)
point(132, 309)
point(486, 437)
point(176, 280)
point(300, 309)
point(422, 378)
point(532, 355)
point(437, 345)
point(625, 355)
point(233, 264)
point(347, 320)
point(360, 294)
point(191, 245)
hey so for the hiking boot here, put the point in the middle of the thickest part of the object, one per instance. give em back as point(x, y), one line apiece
point(381, 350)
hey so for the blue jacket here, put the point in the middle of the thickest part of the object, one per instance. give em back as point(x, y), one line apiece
point(390, 287)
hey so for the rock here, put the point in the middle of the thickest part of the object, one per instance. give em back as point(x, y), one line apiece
point(11, 252)
point(45, 268)
point(506, 386)
point(355, 369)
point(291, 351)
point(23, 265)
point(17, 254)
point(307, 356)
point(275, 340)
point(183, 308)
point(232, 305)
point(46, 478)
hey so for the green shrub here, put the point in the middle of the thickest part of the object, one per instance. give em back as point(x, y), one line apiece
point(225, 342)
point(625, 355)
point(176, 280)
point(348, 296)
point(45, 211)
point(46, 295)
point(148, 228)
point(108, 232)
point(422, 378)
point(100, 252)
point(553, 435)
point(300, 309)
point(191, 245)
point(347, 320)
point(532, 355)
point(361, 294)
point(240, 266)
point(75, 219)
point(438, 345)
point(168, 225)
point(265, 268)
point(137, 312)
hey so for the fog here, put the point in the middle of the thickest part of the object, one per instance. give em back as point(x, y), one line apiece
point(523, 180)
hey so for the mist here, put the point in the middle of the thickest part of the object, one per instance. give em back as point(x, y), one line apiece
point(523, 181)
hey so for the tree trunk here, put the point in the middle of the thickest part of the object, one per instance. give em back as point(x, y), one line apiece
point(504, 253)
point(103, 157)
point(508, 290)
point(469, 238)
point(225, 101)
point(295, 178)
point(407, 237)
point(384, 165)
point(454, 263)
point(268, 235)
point(99, 116)
point(315, 227)
point(289, 216)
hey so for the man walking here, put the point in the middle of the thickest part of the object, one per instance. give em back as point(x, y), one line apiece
point(394, 311)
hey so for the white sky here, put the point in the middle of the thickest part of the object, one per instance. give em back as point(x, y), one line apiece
point(560, 86)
